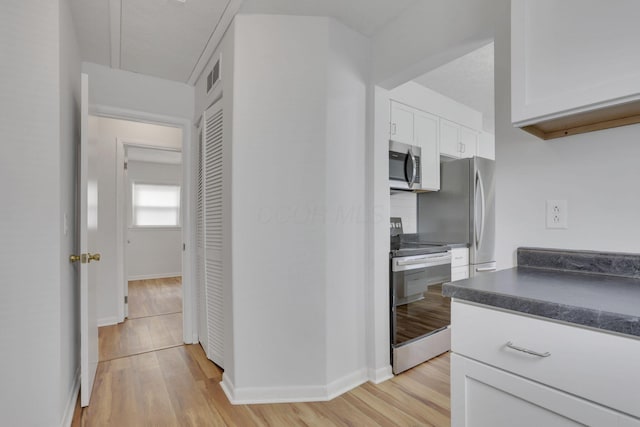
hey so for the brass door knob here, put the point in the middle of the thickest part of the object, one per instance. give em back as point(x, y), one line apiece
point(93, 257)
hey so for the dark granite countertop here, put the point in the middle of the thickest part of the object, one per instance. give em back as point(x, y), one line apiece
point(597, 300)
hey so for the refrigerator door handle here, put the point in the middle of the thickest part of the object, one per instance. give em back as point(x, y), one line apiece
point(480, 197)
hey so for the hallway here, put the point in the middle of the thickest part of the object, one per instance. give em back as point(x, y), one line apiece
point(154, 321)
point(147, 377)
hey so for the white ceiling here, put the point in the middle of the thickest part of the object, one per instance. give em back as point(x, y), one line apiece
point(162, 38)
point(468, 80)
point(154, 155)
point(173, 39)
point(365, 16)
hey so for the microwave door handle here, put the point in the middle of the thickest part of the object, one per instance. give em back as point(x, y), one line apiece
point(413, 169)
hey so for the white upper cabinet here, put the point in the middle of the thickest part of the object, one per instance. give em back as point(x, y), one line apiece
point(402, 123)
point(487, 145)
point(426, 137)
point(457, 141)
point(414, 127)
point(468, 142)
point(449, 139)
point(574, 66)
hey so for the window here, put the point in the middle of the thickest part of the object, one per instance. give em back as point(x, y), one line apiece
point(155, 205)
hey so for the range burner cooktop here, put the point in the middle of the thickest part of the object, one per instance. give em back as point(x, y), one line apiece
point(411, 244)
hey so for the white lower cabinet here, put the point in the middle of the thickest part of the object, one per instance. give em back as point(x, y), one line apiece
point(459, 273)
point(578, 377)
point(459, 264)
point(484, 396)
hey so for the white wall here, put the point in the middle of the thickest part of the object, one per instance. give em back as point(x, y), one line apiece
point(297, 240)
point(425, 99)
point(344, 171)
point(107, 131)
point(153, 252)
point(279, 284)
point(428, 35)
point(405, 205)
point(138, 92)
point(597, 173)
point(39, 80)
point(69, 139)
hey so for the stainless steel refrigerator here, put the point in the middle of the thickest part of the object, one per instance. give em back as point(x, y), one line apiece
point(463, 211)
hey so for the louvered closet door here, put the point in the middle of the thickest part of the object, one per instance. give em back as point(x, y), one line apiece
point(202, 306)
point(213, 158)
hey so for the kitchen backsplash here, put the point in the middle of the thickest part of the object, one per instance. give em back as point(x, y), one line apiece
point(405, 206)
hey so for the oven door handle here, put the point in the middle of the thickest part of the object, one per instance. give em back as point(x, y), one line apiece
point(425, 260)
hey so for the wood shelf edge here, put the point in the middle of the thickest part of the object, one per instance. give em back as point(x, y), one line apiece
point(588, 121)
point(608, 124)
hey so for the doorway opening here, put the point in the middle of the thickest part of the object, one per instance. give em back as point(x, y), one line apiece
point(152, 232)
point(445, 111)
point(143, 289)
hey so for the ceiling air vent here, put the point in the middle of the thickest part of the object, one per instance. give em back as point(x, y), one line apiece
point(214, 76)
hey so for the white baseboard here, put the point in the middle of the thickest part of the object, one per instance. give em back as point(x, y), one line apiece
point(346, 383)
point(153, 276)
point(108, 321)
point(70, 407)
point(377, 376)
point(256, 395)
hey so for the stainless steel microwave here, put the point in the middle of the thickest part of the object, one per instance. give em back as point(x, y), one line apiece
point(404, 166)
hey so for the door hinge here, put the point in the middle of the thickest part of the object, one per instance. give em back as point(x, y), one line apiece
point(126, 299)
point(126, 165)
point(184, 246)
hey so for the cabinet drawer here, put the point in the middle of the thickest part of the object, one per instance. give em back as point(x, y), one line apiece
point(459, 273)
point(482, 395)
point(459, 257)
point(598, 366)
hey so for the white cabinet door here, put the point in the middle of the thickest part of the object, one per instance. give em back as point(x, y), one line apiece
point(459, 273)
point(457, 141)
point(487, 146)
point(567, 63)
point(449, 139)
point(569, 353)
point(459, 264)
point(459, 257)
point(402, 123)
point(482, 395)
point(468, 142)
point(426, 137)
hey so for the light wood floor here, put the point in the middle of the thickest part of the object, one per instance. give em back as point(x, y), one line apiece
point(179, 386)
point(155, 296)
point(154, 323)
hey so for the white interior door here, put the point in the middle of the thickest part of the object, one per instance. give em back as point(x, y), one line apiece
point(88, 228)
point(213, 199)
point(199, 276)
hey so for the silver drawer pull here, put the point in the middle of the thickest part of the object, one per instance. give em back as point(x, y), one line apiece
point(526, 350)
